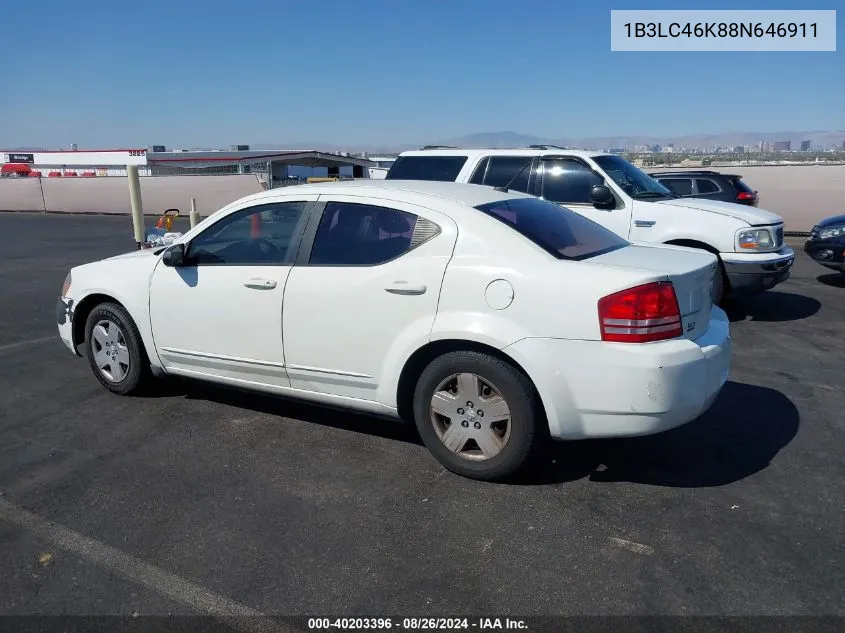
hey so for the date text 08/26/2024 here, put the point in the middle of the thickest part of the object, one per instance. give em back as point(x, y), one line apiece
point(415, 624)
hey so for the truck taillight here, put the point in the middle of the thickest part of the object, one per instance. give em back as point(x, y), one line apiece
point(641, 315)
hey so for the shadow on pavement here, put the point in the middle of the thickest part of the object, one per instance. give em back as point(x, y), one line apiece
point(771, 306)
point(739, 436)
point(289, 408)
point(837, 280)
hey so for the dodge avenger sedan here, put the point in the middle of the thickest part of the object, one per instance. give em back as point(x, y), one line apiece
point(490, 319)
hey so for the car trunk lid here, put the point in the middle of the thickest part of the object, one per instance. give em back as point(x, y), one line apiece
point(690, 271)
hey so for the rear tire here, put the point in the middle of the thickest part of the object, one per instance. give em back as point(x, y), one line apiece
point(491, 445)
point(115, 350)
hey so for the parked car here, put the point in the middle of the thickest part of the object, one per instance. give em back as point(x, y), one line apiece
point(826, 243)
point(487, 318)
point(606, 188)
point(710, 185)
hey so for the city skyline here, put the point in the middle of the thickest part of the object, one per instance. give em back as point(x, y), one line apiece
point(818, 140)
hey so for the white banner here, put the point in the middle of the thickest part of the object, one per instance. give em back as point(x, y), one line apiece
point(746, 30)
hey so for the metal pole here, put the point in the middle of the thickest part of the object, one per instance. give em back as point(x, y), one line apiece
point(135, 201)
point(195, 217)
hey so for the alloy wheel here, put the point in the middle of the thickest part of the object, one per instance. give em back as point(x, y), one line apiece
point(110, 350)
point(470, 416)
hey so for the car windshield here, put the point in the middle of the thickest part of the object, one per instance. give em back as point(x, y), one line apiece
point(634, 182)
point(560, 231)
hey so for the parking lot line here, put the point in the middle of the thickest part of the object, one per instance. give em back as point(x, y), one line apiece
point(234, 614)
point(34, 341)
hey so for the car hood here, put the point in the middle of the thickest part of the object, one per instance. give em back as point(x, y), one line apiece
point(752, 215)
point(832, 221)
point(145, 252)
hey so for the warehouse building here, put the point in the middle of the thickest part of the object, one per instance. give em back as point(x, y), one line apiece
point(274, 168)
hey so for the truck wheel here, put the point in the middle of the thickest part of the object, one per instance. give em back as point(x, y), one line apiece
point(477, 414)
point(115, 349)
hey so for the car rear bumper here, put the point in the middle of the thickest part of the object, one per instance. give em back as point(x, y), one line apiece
point(595, 389)
point(750, 273)
point(64, 320)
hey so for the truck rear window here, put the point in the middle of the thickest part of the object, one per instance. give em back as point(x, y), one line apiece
point(558, 230)
point(442, 168)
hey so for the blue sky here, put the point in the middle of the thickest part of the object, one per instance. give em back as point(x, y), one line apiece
point(211, 72)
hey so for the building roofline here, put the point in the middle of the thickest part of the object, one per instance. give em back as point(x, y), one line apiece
point(231, 157)
point(72, 151)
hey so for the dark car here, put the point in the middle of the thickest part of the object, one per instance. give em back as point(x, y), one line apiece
point(826, 243)
point(708, 184)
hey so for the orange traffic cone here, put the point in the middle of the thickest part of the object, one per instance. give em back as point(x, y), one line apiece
point(166, 220)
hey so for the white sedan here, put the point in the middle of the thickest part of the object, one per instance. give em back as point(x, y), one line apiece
point(489, 318)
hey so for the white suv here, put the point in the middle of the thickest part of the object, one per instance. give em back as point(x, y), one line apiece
point(611, 191)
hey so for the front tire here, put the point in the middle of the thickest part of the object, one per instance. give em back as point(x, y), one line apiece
point(477, 414)
point(720, 282)
point(115, 349)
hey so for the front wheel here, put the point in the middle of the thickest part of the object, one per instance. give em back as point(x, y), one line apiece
point(477, 414)
point(719, 283)
point(115, 349)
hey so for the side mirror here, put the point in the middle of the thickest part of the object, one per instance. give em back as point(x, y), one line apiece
point(601, 196)
point(174, 256)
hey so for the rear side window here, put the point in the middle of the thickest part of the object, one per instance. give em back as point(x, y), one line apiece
point(561, 232)
point(681, 186)
point(362, 235)
point(442, 168)
point(706, 186)
point(503, 171)
point(480, 172)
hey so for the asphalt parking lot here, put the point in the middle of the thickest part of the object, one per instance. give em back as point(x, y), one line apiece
point(200, 499)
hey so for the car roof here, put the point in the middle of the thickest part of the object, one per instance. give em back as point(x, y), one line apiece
point(498, 151)
point(401, 190)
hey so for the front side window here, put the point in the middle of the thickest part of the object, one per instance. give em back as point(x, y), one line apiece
point(568, 181)
point(681, 186)
point(442, 168)
point(563, 233)
point(633, 181)
point(266, 234)
point(361, 235)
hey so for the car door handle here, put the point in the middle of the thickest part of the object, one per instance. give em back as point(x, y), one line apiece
point(257, 283)
point(645, 223)
point(404, 288)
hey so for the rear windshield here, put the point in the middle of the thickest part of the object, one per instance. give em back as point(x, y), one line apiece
point(443, 168)
point(561, 232)
point(736, 181)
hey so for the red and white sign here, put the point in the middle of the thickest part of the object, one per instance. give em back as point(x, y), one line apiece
point(81, 158)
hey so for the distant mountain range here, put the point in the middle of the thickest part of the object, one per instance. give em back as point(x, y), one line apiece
point(825, 138)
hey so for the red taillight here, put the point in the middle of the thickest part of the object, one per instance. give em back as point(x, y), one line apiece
point(745, 195)
point(641, 315)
